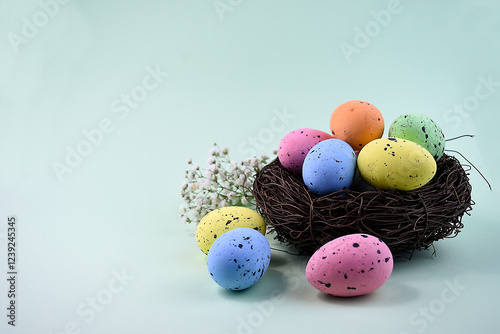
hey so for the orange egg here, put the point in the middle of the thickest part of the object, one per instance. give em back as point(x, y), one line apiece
point(357, 123)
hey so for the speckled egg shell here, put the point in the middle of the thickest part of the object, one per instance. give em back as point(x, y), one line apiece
point(295, 145)
point(357, 123)
point(225, 219)
point(394, 163)
point(420, 129)
point(352, 265)
point(329, 166)
point(239, 258)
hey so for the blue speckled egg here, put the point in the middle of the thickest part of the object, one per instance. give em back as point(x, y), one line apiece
point(239, 258)
point(329, 166)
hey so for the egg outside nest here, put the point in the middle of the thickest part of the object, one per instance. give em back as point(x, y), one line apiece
point(351, 265)
point(239, 258)
point(405, 220)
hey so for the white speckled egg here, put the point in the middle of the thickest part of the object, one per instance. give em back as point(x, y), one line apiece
point(352, 265)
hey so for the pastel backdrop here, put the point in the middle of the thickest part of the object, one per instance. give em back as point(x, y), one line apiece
point(101, 102)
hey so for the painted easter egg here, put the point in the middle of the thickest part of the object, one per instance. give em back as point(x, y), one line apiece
point(420, 129)
point(352, 265)
point(329, 166)
point(357, 123)
point(394, 163)
point(239, 258)
point(222, 220)
point(295, 145)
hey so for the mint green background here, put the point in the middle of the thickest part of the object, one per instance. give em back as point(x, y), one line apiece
point(230, 75)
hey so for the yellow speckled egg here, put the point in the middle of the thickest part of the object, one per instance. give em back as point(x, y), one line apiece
point(394, 163)
point(219, 221)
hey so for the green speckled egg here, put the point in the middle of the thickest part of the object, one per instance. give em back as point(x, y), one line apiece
point(419, 129)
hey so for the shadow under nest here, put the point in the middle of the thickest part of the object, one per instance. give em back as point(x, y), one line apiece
point(405, 220)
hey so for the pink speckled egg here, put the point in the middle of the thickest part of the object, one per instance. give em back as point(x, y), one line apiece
point(295, 145)
point(352, 265)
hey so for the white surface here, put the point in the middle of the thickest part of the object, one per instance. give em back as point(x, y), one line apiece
point(230, 77)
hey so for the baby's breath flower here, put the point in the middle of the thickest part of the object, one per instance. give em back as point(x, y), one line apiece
point(238, 182)
point(209, 174)
point(196, 215)
point(203, 212)
point(232, 166)
point(214, 204)
point(215, 152)
point(222, 174)
point(199, 200)
point(214, 168)
point(224, 182)
point(199, 184)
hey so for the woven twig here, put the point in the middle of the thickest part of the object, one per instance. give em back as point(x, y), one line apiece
point(404, 220)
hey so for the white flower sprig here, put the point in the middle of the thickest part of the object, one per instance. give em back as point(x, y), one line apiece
point(223, 183)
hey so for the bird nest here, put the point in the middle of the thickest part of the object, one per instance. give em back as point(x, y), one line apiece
point(405, 220)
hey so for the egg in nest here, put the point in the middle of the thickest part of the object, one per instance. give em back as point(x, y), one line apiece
point(357, 123)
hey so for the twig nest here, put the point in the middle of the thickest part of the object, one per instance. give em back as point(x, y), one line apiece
point(404, 220)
